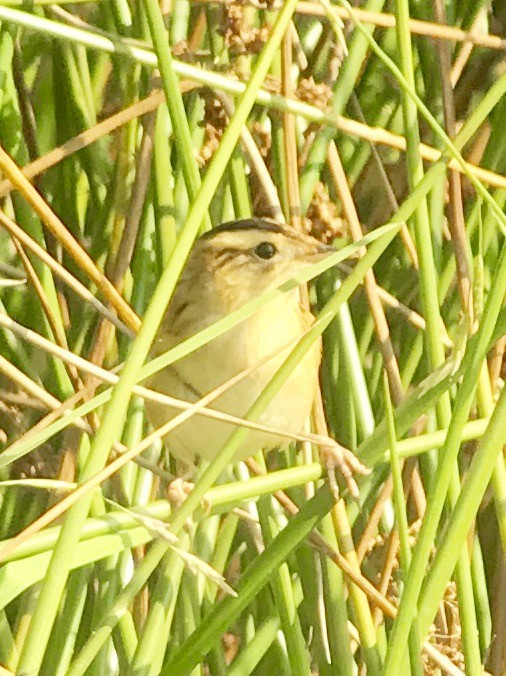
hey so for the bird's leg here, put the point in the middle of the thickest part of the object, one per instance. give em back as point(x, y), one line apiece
point(336, 457)
point(180, 488)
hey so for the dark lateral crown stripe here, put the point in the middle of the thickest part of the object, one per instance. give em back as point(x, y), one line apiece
point(245, 224)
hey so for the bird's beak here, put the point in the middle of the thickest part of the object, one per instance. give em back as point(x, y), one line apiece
point(320, 252)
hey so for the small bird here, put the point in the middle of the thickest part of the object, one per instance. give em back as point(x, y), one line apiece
point(227, 267)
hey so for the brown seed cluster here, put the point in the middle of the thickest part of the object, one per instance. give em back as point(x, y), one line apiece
point(215, 121)
point(321, 219)
point(263, 138)
point(316, 94)
point(240, 37)
point(446, 632)
point(181, 51)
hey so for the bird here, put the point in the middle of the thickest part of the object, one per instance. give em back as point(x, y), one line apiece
point(227, 267)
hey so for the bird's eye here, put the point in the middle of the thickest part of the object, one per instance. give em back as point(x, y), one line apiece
point(265, 250)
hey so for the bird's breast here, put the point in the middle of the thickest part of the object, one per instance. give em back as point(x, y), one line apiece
point(243, 347)
point(273, 330)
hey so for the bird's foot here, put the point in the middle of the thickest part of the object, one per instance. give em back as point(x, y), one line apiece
point(177, 492)
point(337, 457)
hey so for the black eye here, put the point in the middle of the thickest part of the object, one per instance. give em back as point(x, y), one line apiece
point(265, 250)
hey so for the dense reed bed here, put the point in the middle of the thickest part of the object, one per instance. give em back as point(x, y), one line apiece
point(128, 128)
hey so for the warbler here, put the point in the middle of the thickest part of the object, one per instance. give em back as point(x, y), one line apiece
point(227, 267)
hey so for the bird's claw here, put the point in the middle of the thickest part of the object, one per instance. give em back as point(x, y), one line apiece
point(177, 492)
point(334, 456)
